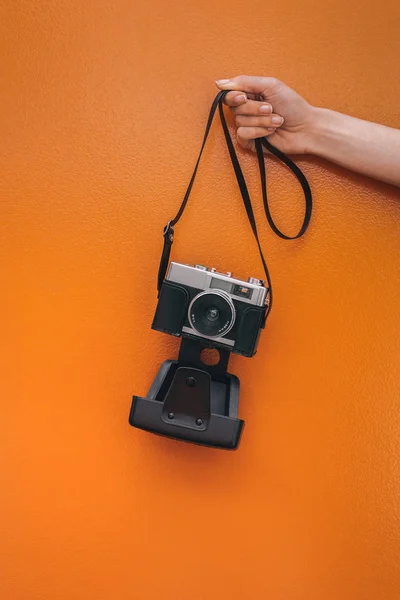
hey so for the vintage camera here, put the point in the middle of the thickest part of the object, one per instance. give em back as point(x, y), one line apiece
point(217, 309)
point(191, 398)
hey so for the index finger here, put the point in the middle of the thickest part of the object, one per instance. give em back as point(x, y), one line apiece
point(233, 99)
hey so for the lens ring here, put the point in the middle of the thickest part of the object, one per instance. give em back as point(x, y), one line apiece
point(219, 294)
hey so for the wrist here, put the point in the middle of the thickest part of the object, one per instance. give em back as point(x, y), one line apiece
point(318, 129)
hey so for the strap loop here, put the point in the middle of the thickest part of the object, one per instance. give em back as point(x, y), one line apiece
point(301, 178)
point(168, 228)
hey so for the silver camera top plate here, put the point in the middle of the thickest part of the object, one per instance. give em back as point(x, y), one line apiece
point(200, 277)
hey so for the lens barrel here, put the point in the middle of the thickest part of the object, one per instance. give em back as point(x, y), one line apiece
point(212, 314)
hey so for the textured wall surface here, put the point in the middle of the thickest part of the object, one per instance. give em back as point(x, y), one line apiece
point(104, 105)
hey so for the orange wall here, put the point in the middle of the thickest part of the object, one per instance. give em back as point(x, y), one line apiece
point(105, 105)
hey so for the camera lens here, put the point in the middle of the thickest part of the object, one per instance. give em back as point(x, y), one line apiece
point(212, 314)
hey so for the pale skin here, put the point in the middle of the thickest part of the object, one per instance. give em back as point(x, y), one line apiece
point(265, 106)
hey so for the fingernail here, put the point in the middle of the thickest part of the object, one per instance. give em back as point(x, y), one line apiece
point(265, 109)
point(222, 81)
point(240, 99)
point(277, 120)
point(270, 128)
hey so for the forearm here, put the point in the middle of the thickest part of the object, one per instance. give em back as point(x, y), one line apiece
point(361, 146)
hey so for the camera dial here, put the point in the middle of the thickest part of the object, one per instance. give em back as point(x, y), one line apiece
point(255, 281)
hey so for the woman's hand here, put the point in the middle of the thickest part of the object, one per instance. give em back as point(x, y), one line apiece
point(264, 106)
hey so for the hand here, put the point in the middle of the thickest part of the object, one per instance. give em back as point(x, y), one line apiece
point(264, 106)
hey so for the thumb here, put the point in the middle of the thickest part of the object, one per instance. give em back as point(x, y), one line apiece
point(249, 83)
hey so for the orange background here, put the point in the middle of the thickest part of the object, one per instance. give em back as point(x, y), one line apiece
point(105, 105)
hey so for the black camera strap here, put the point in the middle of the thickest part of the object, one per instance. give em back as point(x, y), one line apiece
point(169, 229)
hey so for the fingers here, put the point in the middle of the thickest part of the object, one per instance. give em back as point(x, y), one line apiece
point(247, 135)
point(270, 121)
point(237, 98)
point(253, 118)
point(256, 114)
point(251, 84)
point(234, 99)
point(252, 107)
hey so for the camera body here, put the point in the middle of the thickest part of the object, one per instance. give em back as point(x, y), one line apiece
point(197, 302)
